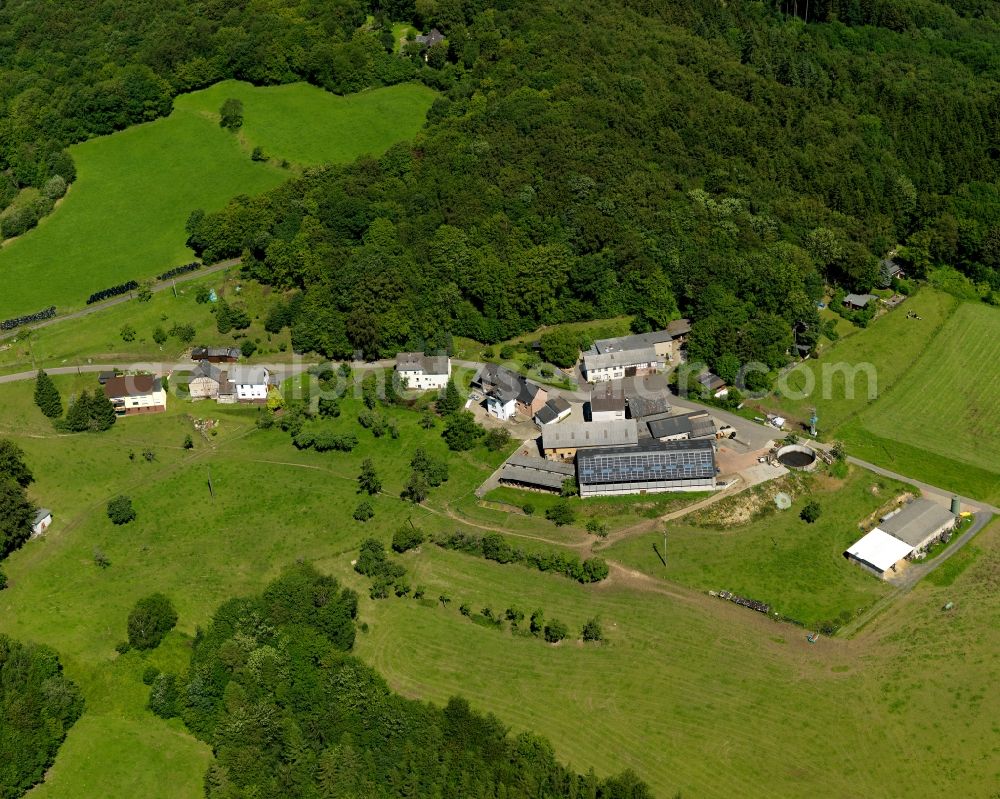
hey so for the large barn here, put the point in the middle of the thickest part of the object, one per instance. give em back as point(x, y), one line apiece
point(647, 468)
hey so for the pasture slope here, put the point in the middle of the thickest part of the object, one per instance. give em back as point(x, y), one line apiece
point(949, 401)
point(124, 216)
point(697, 695)
point(936, 416)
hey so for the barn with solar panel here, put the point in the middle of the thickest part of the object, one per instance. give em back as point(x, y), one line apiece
point(647, 468)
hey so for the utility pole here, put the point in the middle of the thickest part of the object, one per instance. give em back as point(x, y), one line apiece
point(211, 488)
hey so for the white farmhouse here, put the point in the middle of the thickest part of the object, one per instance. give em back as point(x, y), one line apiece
point(423, 372)
point(244, 384)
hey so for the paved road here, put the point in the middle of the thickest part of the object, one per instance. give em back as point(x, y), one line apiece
point(282, 370)
point(100, 306)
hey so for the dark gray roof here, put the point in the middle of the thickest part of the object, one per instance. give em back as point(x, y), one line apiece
point(419, 362)
point(532, 477)
point(542, 464)
point(696, 424)
point(430, 39)
point(916, 521)
point(711, 381)
point(607, 397)
point(646, 462)
point(546, 414)
point(199, 353)
point(206, 369)
point(559, 404)
point(491, 375)
point(40, 514)
point(551, 410)
point(641, 407)
point(861, 300)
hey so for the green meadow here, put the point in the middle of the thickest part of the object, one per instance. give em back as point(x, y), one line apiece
point(777, 558)
point(124, 216)
point(935, 416)
point(695, 694)
point(97, 338)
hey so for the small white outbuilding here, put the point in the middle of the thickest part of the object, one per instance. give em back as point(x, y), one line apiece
point(878, 553)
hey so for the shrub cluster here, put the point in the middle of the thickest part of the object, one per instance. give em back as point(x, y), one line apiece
point(10, 324)
point(324, 440)
point(179, 270)
point(373, 562)
point(20, 220)
point(114, 291)
point(496, 548)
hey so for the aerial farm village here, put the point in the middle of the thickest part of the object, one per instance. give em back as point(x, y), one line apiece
point(467, 400)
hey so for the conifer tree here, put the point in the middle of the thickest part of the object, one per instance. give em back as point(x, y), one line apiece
point(47, 396)
point(451, 401)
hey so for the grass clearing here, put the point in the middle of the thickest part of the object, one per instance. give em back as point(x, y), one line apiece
point(124, 216)
point(306, 125)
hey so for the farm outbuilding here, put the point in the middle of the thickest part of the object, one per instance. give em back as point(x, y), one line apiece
point(918, 523)
point(878, 553)
point(535, 473)
point(41, 521)
point(648, 468)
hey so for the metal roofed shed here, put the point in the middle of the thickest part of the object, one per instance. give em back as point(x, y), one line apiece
point(697, 424)
point(563, 440)
point(858, 301)
point(555, 410)
point(647, 468)
point(536, 473)
point(918, 523)
point(878, 553)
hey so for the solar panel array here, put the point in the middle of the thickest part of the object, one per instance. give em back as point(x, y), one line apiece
point(643, 465)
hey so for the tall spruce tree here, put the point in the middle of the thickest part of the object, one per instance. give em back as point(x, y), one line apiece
point(47, 396)
point(451, 401)
point(90, 412)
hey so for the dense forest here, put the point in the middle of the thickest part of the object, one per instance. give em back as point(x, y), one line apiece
point(290, 714)
point(72, 69)
point(37, 707)
point(718, 160)
point(723, 161)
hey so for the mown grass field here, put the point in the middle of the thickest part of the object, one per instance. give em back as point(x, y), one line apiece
point(695, 694)
point(949, 401)
point(891, 345)
point(124, 216)
point(706, 699)
point(935, 416)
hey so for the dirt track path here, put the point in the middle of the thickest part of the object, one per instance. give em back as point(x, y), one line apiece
point(651, 524)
